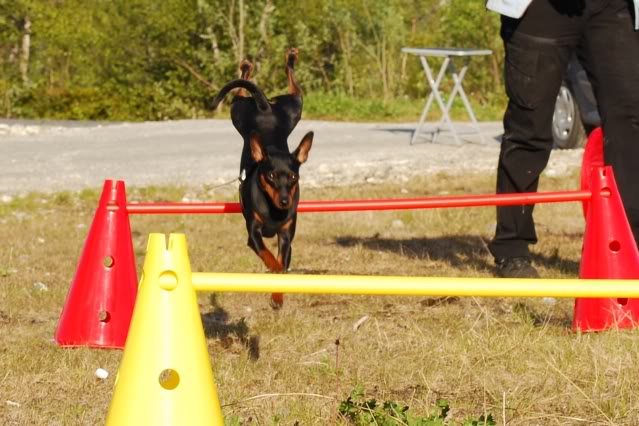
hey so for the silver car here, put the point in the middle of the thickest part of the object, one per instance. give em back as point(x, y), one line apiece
point(576, 112)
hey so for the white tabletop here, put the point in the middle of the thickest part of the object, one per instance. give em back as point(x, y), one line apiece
point(446, 51)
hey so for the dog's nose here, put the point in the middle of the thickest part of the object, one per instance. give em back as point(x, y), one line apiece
point(284, 201)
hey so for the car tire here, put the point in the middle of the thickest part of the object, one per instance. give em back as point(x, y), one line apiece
point(567, 128)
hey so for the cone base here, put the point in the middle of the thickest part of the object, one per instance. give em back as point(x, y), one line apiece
point(592, 315)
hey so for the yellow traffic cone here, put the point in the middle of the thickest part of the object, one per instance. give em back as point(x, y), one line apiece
point(165, 377)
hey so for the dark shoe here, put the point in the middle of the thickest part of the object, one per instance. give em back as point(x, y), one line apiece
point(516, 267)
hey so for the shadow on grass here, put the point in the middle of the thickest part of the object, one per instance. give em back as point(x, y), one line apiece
point(458, 251)
point(217, 326)
point(557, 263)
point(464, 252)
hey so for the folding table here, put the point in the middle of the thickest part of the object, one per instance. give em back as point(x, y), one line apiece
point(449, 54)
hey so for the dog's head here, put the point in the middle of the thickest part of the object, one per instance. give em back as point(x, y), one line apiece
point(278, 172)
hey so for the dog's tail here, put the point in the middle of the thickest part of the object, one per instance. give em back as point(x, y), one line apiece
point(258, 95)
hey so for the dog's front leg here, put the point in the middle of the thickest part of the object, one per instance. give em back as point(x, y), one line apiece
point(284, 251)
point(284, 258)
point(284, 243)
point(256, 242)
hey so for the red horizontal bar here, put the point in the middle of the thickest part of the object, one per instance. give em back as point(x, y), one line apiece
point(182, 208)
point(372, 204)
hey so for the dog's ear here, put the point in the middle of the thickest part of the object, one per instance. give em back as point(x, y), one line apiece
point(257, 149)
point(301, 153)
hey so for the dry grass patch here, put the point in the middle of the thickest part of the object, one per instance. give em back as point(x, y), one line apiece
point(515, 359)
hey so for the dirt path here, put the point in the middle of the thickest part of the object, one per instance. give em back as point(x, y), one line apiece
point(36, 156)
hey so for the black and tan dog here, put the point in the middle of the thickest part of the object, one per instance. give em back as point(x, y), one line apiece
point(269, 189)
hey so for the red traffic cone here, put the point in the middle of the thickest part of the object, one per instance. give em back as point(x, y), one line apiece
point(593, 157)
point(99, 305)
point(609, 252)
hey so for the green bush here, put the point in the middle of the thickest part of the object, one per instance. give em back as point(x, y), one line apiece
point(149, 60)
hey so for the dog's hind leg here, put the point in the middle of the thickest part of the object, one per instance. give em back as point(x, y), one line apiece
point(291, 60)
point(246, 68)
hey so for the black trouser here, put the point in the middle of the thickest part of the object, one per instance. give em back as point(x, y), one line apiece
point(538, 47)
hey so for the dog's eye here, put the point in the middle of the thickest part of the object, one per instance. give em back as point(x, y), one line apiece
point(271, 175)
point(293, 177)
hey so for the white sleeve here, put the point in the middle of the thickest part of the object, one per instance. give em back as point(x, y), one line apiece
point(511, 8)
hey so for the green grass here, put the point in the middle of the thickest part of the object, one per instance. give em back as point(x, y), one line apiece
point(341, 107)
point(334, 106)
point(514, 359)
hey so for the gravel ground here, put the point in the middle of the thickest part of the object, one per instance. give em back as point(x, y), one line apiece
point(55, 156)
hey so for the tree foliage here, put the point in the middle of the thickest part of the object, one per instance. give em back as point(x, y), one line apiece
point(153, 60)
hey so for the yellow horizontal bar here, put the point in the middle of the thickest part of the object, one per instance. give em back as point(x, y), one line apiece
point(415, 286)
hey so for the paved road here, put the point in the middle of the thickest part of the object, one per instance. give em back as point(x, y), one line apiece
point(50, 156)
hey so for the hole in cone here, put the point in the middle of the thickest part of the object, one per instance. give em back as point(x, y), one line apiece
point(605, 192)
point(108, 261)
point(622, 302)
point(169, 379)
point(614, 246)
point(104, 316)
point(168, 280)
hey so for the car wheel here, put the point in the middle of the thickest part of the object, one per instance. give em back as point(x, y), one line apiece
point(567, 128)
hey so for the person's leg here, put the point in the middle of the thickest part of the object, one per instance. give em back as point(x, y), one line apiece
point(611, 58)
point(538, 47)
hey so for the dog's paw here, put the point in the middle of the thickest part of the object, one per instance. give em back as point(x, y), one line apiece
point(277, 301)
point(270, 261)
point(277, 269)
point(291, 56)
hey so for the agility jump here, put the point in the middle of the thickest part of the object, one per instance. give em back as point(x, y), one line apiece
point(165, 377)
point(100, 302)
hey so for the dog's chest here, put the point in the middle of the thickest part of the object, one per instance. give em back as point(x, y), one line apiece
point(274, 221)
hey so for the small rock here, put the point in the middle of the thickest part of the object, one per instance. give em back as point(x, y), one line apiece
point(101, 373)
point(397, 224)
point(40, 286)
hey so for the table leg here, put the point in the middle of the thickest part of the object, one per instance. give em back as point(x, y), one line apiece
point(445, 116)
point(434, 85)
point(449, 102)
point(458, 87)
